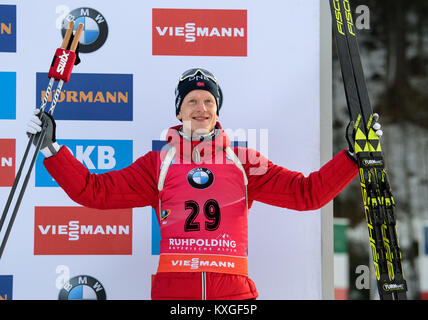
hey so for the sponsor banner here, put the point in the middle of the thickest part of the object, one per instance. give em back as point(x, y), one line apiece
point(199, 32)
point(7, 28)
point(91, 96)
point(6, 287)
point(81, 230)
point(7, 162)
point(99, 156)
point(8, 95)
point(103, 91)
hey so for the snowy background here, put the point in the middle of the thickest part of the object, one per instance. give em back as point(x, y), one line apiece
point(393, 46)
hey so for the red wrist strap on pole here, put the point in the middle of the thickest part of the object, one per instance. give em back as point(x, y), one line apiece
point(62, 64)
point(63, 60)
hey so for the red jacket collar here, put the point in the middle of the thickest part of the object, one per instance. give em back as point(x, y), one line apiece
point(206, 149)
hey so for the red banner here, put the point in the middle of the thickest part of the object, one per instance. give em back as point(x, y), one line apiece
point(7, 162)
point(199, 32)
point(80, 230)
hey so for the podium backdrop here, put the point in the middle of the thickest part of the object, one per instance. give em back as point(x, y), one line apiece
point(118, 105)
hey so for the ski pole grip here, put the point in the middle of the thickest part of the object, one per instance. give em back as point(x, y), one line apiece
point(62, 64)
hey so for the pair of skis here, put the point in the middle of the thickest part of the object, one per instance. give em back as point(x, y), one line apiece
point(376, 192)
point(60, 71)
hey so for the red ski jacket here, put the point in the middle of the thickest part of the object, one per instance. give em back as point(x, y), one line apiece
point(137, 186)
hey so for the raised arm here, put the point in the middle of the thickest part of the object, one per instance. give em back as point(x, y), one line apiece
point(133, 186)
point(278, 186)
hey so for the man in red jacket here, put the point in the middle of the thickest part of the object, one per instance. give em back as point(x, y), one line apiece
point(201, 189)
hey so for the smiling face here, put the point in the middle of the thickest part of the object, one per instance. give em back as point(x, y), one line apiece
point(198, 112)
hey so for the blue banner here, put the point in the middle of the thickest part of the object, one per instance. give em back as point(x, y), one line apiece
point(91, 96)
point(8, 95)
point(99, 156)
point(7, 28)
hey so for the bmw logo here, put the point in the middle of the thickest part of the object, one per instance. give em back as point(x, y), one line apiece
point(200, 178)
point(95, 28)
point(82, 288)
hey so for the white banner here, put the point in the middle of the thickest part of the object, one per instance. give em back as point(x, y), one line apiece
point(120, 100)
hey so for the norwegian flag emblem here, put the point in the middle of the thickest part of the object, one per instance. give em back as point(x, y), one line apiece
point(200, 84)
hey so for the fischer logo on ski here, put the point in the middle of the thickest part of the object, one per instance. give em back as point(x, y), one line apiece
point(338, 16)
point(348, 15)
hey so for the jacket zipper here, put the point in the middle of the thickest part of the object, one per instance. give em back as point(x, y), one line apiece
point(196, 157)
point(204, 286)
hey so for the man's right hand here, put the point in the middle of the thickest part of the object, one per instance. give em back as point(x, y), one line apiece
point(49, 145)
point(350, 134)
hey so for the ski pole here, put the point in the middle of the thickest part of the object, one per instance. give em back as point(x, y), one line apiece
point(30, 141)
point(54, 74)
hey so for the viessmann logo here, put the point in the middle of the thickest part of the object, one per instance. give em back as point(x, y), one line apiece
point(199, 32)
point(196, 263)
point(80, 230)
